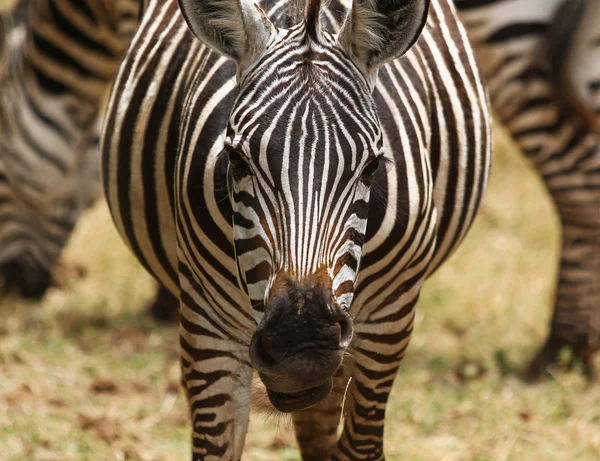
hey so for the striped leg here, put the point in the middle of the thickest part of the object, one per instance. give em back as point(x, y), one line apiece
point(317, 427)
point(576, 318)
point(376, 360)
point(540, 62)
point(218, 387)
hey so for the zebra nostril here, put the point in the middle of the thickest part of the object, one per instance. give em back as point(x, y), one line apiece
point(259, 354)
point(345, 332)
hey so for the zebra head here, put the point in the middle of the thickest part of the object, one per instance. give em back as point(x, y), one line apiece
point(304, 144)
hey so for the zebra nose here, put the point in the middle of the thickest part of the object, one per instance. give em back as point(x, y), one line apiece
point(289, 334)
point(269, 348)
point(261, 353)
point(345, 331)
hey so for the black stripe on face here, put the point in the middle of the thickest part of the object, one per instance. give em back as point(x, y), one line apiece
point(243, 245)
point(346, 260)
point(240, 221)
point(258, 273)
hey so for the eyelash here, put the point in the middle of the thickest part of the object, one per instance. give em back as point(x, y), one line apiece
point(237, 164)
point(371, 168)
point(240, 168)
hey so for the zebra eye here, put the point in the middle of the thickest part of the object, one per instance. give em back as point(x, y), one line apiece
point(371, 168)
point(237, 164)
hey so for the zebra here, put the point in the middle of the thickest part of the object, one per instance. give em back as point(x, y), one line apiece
point(293, 173)
point(541, 60)
point(57, 60)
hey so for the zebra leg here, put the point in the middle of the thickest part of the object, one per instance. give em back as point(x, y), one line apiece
point(217, 380)
point(576, 318)
point(377, 356)
point(573, 179)
point(165, 307)
point(317, 427)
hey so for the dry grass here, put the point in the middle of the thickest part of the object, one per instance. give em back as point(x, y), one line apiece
point(86, 375)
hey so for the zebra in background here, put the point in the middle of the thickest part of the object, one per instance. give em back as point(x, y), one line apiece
point(541, 60)
point(58, 59)
point(295, 190)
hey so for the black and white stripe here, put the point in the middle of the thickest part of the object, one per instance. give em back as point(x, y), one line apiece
point(298, 159)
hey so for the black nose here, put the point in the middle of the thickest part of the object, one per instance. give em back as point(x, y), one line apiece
point(299, 333)
point(300, 342)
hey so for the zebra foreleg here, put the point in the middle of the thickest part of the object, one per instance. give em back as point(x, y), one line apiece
point(217, 380)
point(376, 360)
point(317, 427)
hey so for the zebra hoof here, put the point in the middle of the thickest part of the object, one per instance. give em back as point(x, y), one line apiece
point(26, 280)
point(165, 307)
point(559, 354)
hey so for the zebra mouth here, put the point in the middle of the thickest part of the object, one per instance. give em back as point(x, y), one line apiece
point(296, 401)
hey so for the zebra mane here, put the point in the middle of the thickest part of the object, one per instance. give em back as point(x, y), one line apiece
point(313, 17)
point(309, 12)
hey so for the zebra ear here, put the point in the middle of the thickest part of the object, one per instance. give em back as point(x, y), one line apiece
point(239, 29)
point(377, 31)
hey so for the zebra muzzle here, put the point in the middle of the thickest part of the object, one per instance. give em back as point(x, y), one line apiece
point(296, 401)
point(298, 347)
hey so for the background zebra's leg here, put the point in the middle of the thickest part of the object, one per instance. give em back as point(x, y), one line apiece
point(565, 150)
point(576, 318)
point(572, 175)
point(540, 62)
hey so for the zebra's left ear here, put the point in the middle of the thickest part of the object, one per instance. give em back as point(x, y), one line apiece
point(239, 29)
point(378, 31)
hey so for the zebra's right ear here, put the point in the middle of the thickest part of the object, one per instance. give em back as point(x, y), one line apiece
point(239, 29)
